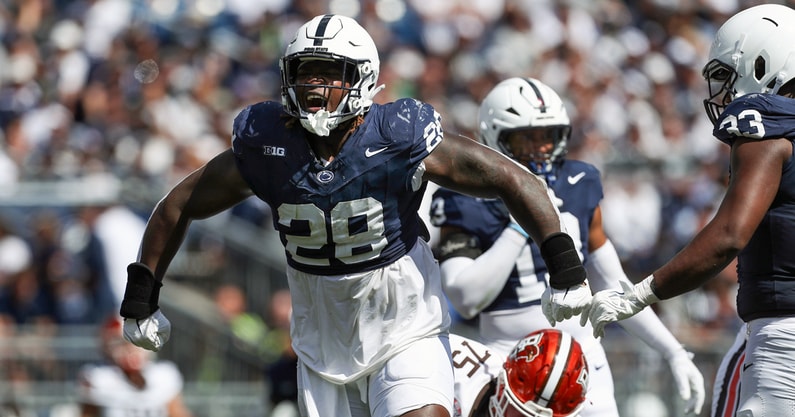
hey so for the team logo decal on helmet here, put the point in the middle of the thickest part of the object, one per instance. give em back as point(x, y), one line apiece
point(546, 375)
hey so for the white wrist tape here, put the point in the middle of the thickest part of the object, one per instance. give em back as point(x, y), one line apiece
point(644, 292)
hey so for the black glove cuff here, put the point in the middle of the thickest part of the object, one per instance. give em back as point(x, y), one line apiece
point(142, 292)
point(563, 263)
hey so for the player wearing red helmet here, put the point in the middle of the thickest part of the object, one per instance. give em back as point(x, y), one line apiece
point(545, 375)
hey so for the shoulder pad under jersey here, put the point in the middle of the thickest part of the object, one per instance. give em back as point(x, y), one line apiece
point(757, 116)
point(255, 119)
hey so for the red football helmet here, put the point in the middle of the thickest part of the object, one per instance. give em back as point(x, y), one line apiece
point(545, 375)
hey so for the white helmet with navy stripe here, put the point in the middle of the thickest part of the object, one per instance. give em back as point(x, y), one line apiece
point(523, 104)
point(337, 39)
point(753, 52)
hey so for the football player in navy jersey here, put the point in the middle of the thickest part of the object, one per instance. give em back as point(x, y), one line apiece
point(344, 178)
point(750, 74)
point(490, 267)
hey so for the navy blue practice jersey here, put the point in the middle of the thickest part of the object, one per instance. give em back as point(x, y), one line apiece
point(766, 266)
point(356, 213)
point(578, 190)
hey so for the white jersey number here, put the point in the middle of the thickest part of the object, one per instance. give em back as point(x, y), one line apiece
point(748, 124)
point(348, 248)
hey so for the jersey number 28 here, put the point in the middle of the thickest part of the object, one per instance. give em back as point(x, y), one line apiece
point(349, 248)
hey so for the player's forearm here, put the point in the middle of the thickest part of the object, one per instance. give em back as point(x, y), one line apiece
point(165, 232)
point(703, 258)
point(533, 210)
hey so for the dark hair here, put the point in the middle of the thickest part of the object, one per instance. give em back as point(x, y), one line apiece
point(788, 89)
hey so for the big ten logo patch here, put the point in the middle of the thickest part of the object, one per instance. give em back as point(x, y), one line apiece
point(273, 150)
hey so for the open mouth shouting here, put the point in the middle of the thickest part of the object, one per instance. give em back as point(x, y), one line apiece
point(315, 100)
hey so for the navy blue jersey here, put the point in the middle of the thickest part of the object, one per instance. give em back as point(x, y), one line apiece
point(766, 266)
point(358, 212)
point(578, 190)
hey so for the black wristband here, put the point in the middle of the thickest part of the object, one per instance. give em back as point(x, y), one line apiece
point(563, 263)
point(141, 294)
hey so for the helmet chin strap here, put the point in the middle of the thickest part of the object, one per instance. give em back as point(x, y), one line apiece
point(545, 170)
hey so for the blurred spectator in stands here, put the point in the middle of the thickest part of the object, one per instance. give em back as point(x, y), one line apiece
point(84, 295)
point(248, 327)
point(131, 382)
point(633, 207)
point(281, 374)
point(118, 230)
point(22, 299)
point(247, 331)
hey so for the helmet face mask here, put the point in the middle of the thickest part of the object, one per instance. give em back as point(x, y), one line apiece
point(720, 82)
point(546, 375)
point(517, 106)
point(537, 148)
point(751, 53)
point(342, 44)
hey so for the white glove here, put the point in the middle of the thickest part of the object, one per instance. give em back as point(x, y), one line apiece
point(559, 305)
point(689, 381)
point(150, 333)
point(611, 305)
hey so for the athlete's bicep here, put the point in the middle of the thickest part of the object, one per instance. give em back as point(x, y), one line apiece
point(466, 166)
point(212, 188)
point(756, 174)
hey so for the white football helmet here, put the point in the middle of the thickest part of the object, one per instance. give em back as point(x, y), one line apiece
point(752, 53)
point(524, 104)
point(342, 41)
point(546, 375)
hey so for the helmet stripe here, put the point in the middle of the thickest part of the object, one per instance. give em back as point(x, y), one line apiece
point(538, 94)
point(321, 29)
point(561, 362)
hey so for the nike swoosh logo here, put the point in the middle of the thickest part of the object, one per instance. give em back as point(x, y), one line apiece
point(575, 179)
point(747, 365)
point(368, 153)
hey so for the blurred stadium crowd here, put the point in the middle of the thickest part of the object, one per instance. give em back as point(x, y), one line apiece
point(122, 98)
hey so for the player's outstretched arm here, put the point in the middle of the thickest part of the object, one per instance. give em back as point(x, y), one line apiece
point(210, 189)
point(468, 167)
point(214, 187)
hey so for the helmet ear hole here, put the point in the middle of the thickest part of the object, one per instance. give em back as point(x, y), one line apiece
point(759, 68)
